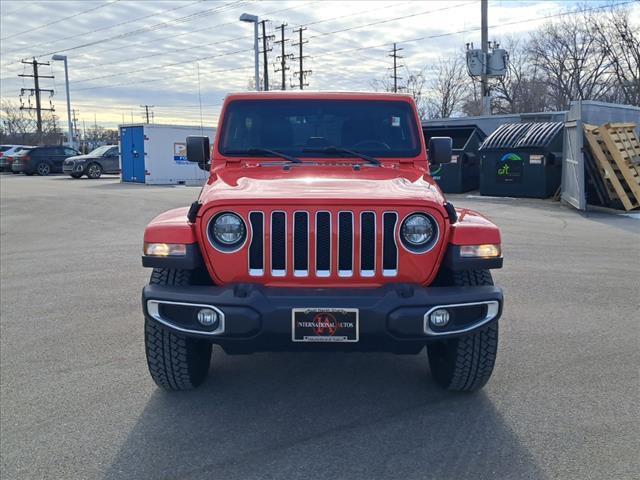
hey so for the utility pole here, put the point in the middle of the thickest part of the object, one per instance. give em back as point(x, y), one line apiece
point(36, 91)
point(486, 95)
point(146, 110)
point(301, 73)
point(396, 57)
point(283, 57)
point(265, 50)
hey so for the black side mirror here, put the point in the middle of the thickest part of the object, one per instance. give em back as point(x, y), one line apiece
point(198, 151)
point(440, 149)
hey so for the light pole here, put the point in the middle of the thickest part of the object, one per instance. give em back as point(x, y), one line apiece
point(66, 81)
point(246, 17)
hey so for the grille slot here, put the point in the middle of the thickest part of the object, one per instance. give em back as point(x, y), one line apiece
point(323, 244)
point(301, 244)
point(345, 244)
point(389, 247)
point(256, 249)
point(278, 244)
point(367, 244)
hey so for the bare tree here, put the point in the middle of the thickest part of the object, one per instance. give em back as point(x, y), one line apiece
point(19, 126)
point(571, 60)
point(414, 86)
point(523, 89)
point(448, 87)
point(472, 103)
point(620, 43)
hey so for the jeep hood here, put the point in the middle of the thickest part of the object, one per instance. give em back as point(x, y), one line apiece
point(314, 184)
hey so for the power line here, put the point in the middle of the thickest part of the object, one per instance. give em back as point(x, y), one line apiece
point(135, 82)
point(109, 27)
point(470, 30)
point(129, 59)
point(150, 28)
point(157, 67)
point(210, 28)
point(367, 47)
point(59, 20)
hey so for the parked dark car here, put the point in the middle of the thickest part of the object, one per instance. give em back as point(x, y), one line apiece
point(103, 159)
point(7, 154)
point(42, 160)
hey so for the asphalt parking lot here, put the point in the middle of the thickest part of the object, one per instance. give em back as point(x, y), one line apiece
point(77, 402)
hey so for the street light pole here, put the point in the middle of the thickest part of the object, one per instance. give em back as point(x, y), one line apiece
point(246, 17)
point(66, 82)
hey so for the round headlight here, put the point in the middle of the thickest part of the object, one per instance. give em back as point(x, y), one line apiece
point(418, 231)
point(228, 230)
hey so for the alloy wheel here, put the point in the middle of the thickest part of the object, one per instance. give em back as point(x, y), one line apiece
point(43, 169)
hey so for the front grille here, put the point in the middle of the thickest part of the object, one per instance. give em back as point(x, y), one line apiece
point(321, 244)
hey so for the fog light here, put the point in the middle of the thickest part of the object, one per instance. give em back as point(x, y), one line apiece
point(439, 318)
point(208, 317)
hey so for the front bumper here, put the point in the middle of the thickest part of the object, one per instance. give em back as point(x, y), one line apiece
point(17, 167)
point(70, 168)
point(256, 318)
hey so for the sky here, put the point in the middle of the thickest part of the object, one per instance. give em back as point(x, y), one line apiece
point(175, 55)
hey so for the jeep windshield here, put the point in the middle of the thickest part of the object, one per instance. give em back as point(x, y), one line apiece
point(320, 128)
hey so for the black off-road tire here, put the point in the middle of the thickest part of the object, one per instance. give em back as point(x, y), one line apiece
point(175, 362)
point(465, 364)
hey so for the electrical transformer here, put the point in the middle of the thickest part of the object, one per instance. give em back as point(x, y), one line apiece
point(475, 62)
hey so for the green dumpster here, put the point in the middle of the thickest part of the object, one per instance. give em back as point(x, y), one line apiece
point(463, 173)
point(522, 160)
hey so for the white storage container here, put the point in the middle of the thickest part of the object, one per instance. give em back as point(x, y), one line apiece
point(156, 154)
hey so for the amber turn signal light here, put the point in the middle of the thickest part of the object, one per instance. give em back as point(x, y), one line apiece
point(480, 251)
point(165, 249)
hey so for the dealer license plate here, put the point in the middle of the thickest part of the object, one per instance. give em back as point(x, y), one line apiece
point(324, 325)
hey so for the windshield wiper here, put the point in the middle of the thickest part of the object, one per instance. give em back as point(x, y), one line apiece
point(347, 151)
point(257, 151)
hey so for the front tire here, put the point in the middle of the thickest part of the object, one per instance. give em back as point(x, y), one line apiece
point(94, 171)
point(175, 362)
point(465, 364)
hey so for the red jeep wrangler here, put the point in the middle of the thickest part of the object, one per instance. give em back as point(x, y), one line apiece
point(320, 229)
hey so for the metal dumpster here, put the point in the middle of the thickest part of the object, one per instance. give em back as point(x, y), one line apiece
point(522, 160)
point(463, 173)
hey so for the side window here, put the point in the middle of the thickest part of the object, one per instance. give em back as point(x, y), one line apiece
point(69, 152)
point(112, 152)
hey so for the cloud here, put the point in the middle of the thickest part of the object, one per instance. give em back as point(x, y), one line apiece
point(126, 53)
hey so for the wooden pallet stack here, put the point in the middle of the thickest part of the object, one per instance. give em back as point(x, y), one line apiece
point(613, 163)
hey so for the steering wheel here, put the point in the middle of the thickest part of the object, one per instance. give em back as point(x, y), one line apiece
point(384, 145)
